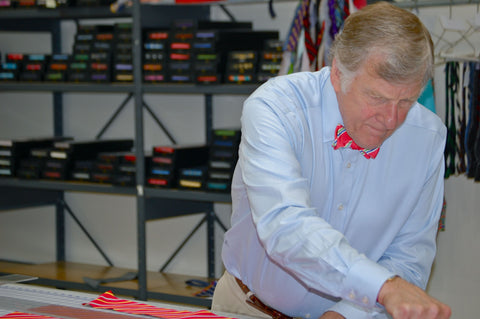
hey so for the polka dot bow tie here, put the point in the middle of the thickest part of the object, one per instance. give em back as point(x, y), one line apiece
point(342, 139)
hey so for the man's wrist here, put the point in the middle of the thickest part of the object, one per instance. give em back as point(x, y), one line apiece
point(385, 288)
point(332, 314)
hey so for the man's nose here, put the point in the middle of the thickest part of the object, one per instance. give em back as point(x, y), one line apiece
point(390, 116)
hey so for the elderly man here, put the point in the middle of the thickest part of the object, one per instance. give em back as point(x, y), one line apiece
point(339, 183)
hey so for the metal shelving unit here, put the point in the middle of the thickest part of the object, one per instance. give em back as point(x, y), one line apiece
point(62, 13)
point(65, 186)
point(165, 88)
point(66, 87)
point(26, 193)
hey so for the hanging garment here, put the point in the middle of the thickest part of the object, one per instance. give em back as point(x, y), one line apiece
point(427, 98)
point(461, 118)
point(451, 85)
point(471, 131)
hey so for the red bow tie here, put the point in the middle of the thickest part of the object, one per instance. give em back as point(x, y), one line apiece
point(342, 139)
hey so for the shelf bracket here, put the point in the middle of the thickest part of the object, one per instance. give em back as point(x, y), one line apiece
point(210, 218)
point(175, 253)
point(85, 231)
point(114, 116)
point(159, 122)
point(227, 12)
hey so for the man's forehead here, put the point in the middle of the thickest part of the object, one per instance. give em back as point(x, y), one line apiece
point(378, 87)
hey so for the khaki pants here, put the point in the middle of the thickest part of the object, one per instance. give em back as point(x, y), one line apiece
point(229, 297)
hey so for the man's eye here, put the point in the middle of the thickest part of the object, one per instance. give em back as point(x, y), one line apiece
point(377, 100)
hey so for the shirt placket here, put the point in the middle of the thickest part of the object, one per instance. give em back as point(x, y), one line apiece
point(343, 189)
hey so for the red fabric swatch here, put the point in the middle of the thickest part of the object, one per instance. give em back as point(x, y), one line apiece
point(24, 315)
point(108, 301)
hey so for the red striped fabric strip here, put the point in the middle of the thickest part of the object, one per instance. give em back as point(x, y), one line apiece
point(109, 301)
point(24, 315)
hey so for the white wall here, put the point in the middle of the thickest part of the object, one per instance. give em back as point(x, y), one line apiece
point(111, 218)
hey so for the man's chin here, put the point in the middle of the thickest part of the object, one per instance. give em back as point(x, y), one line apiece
point(371, 144)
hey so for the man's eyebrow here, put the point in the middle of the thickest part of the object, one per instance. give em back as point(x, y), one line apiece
point(373, 93)
point(411, 99)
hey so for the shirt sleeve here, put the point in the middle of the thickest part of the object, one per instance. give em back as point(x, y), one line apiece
point(290, 230)
point(412, 251)
point(349, 310)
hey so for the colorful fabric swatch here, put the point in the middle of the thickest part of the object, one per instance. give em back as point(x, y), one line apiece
point(79, 313)
point(207, 291)
point(24, 315)
point(110, 301)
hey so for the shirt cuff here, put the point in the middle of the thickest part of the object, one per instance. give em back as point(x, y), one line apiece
point(349, 310)
point(363, 283)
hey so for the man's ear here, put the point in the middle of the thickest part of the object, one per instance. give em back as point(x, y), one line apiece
point(335, 75)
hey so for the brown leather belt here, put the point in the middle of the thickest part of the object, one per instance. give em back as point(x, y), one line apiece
point(258, 304)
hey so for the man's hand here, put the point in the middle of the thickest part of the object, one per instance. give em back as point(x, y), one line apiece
point(407, 301)
point(331, 315)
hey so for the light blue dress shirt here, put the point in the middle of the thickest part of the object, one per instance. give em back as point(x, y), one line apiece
point(315, 228)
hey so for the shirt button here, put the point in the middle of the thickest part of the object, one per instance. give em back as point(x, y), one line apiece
point(351, 295)
point(348, 165)
point(365, 300)
point(340, 207)
point(307, 315)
